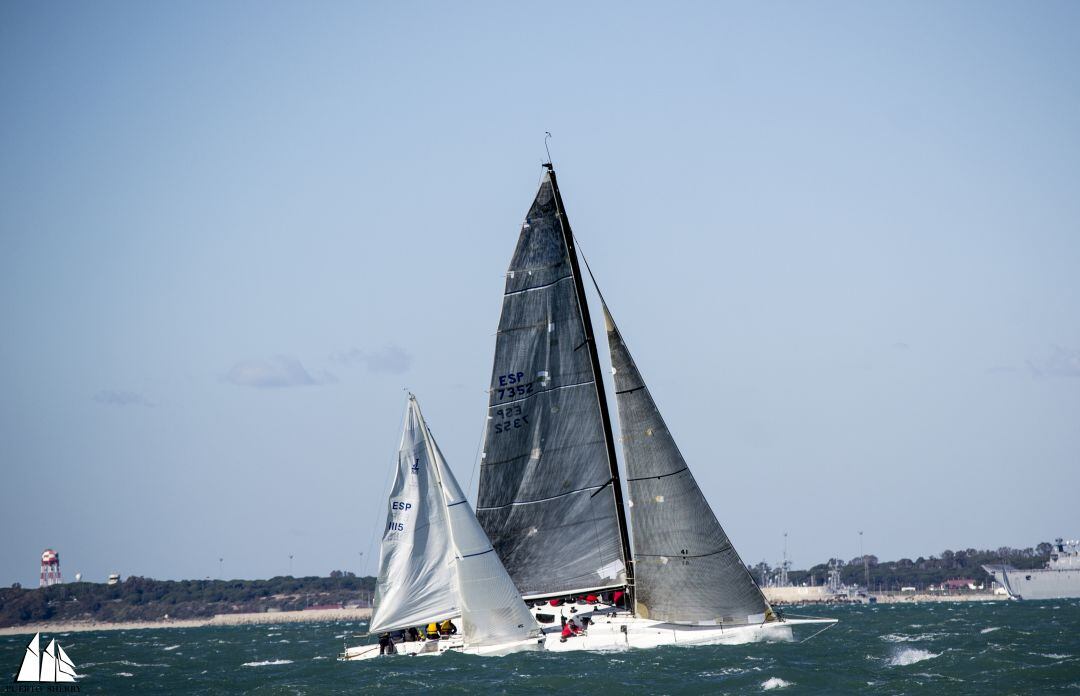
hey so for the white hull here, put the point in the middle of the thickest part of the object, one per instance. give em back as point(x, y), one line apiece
point(624, 633)
point(611, 630)
point(456, 644)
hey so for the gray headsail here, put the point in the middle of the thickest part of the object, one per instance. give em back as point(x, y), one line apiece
point(685, 568)
point(548, 498)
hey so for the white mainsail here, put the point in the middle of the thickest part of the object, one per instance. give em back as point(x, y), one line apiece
point(30, 671)
point(416, 578)
point(436, 561)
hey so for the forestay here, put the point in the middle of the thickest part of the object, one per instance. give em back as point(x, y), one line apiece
point(685, 568)
point(544, 497)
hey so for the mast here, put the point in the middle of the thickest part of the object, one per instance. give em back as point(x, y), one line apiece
point(594, 358)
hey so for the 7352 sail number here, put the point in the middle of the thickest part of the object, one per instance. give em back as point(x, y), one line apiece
point(512, 386)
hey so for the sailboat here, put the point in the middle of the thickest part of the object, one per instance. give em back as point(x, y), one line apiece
point(551, 494)
point(436, 563)
point(53, 665)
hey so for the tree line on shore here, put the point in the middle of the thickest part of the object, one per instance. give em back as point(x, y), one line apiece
point(145, 599)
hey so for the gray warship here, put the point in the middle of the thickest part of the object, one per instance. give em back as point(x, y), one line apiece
point(1060, 579)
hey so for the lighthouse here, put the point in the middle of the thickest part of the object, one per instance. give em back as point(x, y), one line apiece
point(50, 568)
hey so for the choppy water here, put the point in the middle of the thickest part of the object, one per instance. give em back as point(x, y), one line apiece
point(1030, 647)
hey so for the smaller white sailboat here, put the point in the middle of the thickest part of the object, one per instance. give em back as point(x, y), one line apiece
point(436, 563)
point(53, 665)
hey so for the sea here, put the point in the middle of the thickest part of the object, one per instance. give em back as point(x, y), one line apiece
point(937, 648)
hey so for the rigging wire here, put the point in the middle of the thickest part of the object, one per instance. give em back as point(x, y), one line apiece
point(577, 245)
point(476, 455)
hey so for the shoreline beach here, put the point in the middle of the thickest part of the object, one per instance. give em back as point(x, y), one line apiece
point(306, 616)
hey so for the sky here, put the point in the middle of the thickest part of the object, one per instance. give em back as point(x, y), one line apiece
point(842, 241)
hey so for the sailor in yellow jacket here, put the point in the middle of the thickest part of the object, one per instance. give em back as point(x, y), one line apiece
point(447, 628)
point(433, 631)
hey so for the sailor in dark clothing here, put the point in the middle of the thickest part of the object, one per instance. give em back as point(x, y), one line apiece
point(386, 644)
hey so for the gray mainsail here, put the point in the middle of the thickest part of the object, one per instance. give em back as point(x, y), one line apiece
point(685, 568)
point(548, 498)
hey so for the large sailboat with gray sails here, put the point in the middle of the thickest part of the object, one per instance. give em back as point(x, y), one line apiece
point(651, 568)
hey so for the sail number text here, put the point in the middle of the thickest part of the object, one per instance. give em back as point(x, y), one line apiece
point(510, 418)
point(398, 506)
point(511, 386)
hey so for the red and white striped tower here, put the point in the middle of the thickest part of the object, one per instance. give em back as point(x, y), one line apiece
point(50, 568)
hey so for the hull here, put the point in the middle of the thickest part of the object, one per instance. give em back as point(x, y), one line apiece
point(430, 648)
point(1045, 583)
point(624, 633)
point(609, 629)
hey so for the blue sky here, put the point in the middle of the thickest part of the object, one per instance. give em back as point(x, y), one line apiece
point(841, 239)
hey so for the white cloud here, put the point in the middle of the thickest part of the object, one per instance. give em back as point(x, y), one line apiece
point(392, 359)
point(279, 371)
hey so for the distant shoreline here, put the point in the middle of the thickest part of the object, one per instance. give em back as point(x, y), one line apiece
point(790, 596)
point(271, 617)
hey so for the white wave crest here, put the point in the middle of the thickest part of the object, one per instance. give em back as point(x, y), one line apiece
point(774, 683)
point(909, 656)
point(991, 629)
point(124, 674)
point(170, 647)
point(901, 638)
point(264, 663)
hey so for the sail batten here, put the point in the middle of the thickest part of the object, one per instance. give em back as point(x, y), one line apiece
point(545, 450)
point(686, 568)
